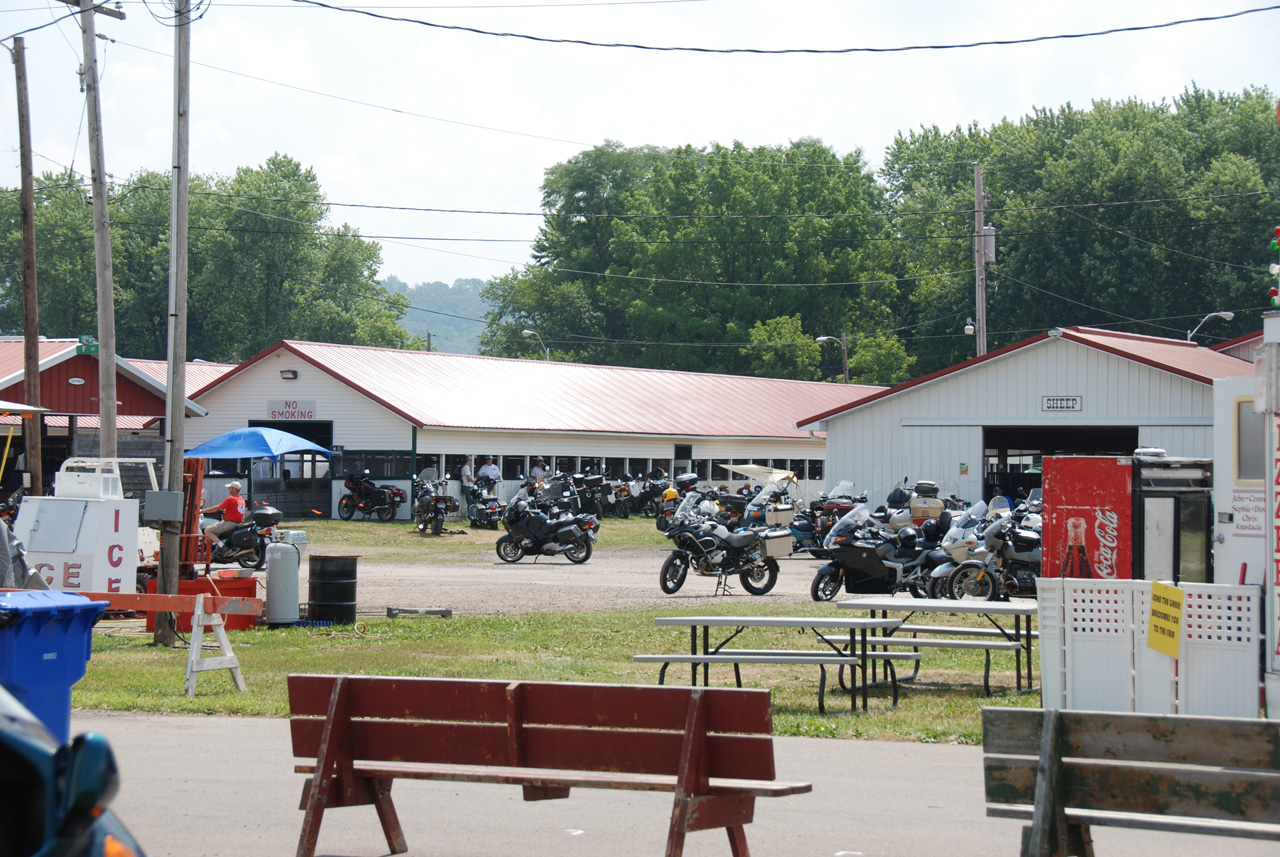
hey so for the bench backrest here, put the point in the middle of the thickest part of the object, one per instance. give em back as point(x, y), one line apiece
point(578, 727)
point(1203, 767)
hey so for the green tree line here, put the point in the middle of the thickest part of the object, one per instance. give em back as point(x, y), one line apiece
point(264, 265)
point(1136, 216)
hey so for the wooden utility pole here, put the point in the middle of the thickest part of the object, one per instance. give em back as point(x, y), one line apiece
point(176, 398)
point(979, 260)
point(101, 237)
point(32, 426)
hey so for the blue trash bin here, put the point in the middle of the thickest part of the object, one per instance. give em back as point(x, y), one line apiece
point(46, 639)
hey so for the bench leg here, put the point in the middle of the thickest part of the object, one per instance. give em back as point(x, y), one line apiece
point(986, 672)
point(380, 791)
point(738, 841)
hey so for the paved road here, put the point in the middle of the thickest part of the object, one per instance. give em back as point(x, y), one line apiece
point(224, 786)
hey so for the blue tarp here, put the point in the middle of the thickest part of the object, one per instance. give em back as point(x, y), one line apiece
point(253, 442)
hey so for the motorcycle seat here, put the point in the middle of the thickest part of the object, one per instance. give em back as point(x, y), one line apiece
point(739, 540)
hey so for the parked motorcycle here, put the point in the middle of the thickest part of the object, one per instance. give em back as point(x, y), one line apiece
point(9, 508)
point(869, 557)
point(247, 543)
point(621, 490)
point(1011, 567)
point(369, 499)
point(709, 549)
point(431, 504)
point(532, 531)
point(647, 493)
point(961, 544)
point(483, 507)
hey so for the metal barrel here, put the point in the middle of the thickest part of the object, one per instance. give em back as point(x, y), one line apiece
point(331, 596)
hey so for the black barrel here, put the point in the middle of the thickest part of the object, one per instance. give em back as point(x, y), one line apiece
point(331, 593)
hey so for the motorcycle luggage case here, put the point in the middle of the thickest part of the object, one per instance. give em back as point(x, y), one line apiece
point(593, 481)
point(266, 516)
point(566, 535)
point(777, 543)
point(242, 538)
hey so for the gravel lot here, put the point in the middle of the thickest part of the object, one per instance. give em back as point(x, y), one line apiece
point(611, 580)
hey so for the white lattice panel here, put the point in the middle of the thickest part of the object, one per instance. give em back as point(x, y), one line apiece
point(1098, 637)
point(1053, 688)
point(1154, 673)
point(1218, 654)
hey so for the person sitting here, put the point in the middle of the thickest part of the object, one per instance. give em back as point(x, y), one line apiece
point(232, 509)
point(746, 490)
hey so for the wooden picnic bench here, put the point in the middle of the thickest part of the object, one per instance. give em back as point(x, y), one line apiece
point(1068, 770)
point(712, 747)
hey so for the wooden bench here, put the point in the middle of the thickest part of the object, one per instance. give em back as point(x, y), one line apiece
point(712, 747)
point(1068, 770)
point(822, 657)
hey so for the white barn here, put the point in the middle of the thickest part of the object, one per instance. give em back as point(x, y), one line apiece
point(400, 412)
point(985, 423)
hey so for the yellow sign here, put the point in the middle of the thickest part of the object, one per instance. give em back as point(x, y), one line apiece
point(1165, 625)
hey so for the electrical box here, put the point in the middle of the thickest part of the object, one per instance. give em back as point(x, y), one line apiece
point(162, 506)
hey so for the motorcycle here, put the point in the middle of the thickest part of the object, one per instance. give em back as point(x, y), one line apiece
point(597, 494)
point(367, 498)
point(431, 505)
point(247, 543)
point(1011, 567)
point(9, 508)
point(708, 548)
point(647, 493)
point(869, 557)
point(532, 531)
point(483, 507)
point(621, 490)
point(962, 545)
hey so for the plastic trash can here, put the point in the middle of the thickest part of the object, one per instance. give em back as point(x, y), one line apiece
point(46, 639)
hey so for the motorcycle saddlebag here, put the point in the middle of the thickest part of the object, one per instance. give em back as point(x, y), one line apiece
point(593, 481)
point(452, 504)
point(381, 497)
point(242, 538)
point(566, 535)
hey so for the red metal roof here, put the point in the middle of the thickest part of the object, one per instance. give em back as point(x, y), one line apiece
point(12, 361)
point(468, 391)
point(1239, 340)
point(199, 374)
point(1175, 356)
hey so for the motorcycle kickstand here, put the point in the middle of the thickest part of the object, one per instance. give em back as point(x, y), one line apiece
point(722, 586)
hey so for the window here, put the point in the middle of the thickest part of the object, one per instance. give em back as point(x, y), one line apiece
point(815, 469)
point(429, 462)
point(718, 473)
point(589, 464)
point(700, 467)
point(381, 464)
point(798, 467)
point(565, 463)
point(1251, 456)
point(615, 467)
point(513, 466)
point(781, 464)
point(637, 466)
point(664, 463)
point(684, 452)
point(762, 462)
point(453, 465)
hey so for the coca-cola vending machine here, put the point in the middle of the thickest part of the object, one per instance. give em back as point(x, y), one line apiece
point(1145, 516)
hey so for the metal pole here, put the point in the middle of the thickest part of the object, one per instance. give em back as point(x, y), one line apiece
point(175, 395)
point(101, 243)
point(979, 260)
point(1271, 578)
point(32, 426)
point(844, 354)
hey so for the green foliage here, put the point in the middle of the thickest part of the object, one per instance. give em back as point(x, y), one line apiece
point(263, 265)
point(779, 349)
point(443, 312)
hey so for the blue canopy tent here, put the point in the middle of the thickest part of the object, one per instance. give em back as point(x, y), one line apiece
point(253, 442)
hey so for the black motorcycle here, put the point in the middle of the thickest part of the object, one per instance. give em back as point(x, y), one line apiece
point(483, 507)
point(530, 530)
point(431, 505)
point(706, 547)
point(648, 500)
point(368, 498)
point(868, 557)
point(247, 543)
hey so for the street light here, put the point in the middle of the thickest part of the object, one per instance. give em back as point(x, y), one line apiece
point(534, 333)
point(843, 339)
point(968, 327)
point(1226, 316)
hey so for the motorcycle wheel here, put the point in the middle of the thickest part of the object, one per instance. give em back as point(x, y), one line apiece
point(580, 552)
point(598, 510)
point(973, 583)
point(347, 507)
point(421, 525)
point(673, 574)
point(622, 510)
point(653, 508)
point(916, 591)
point(386, 513)
point(508, 549)
point(826, 587)
point(255, 559)
point(761, 577)
point(938, 587)
point(437, 525)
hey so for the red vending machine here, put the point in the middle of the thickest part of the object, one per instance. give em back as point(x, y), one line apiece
point(1088, 519)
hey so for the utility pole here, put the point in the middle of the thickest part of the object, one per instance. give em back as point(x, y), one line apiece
point(101, 234)
point(33, 426)
point(979, 259)
point(176, 397)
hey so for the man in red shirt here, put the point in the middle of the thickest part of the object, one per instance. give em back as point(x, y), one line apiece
point(232, 509)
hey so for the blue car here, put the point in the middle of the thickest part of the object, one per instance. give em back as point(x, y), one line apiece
point(55, 797)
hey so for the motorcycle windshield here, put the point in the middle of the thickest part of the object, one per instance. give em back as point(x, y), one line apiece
point(852, 520)
point(972, 516)
point(686, 512)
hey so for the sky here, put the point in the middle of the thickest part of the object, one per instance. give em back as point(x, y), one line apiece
point(398, 114)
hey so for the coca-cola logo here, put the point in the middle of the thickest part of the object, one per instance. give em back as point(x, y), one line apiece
point(1106, 527)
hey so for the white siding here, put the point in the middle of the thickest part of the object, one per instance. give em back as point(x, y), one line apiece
point(929, 431)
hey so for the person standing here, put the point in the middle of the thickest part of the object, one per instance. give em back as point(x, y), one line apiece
point(539, 470)
point(489, 470)
point(468, 480)
point(232, 509)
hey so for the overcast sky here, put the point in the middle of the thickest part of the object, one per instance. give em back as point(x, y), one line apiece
point(401, 114)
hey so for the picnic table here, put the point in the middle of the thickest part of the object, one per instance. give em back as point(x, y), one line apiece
point(1019, 638)
point(848, 649)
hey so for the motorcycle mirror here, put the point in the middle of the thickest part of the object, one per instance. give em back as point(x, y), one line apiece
point(366, 471)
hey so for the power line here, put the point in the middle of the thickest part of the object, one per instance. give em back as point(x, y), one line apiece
point(783, 51)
